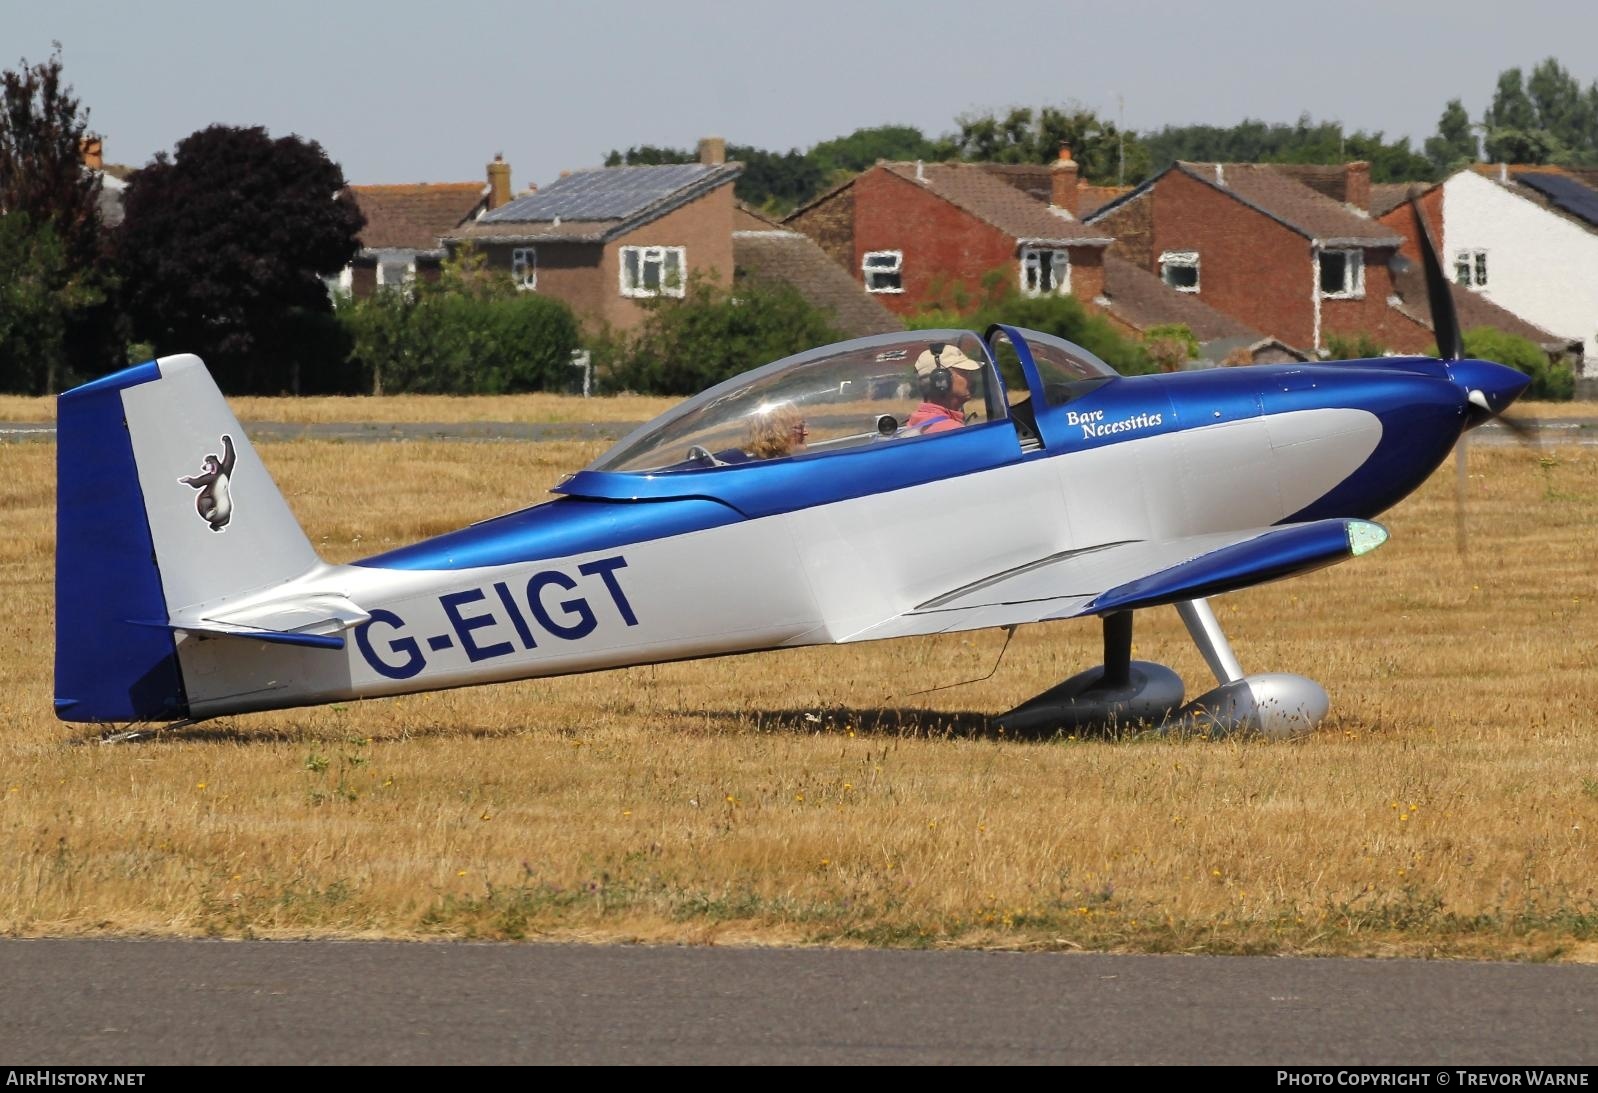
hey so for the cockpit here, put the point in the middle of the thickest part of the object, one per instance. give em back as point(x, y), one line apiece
point(888, 389)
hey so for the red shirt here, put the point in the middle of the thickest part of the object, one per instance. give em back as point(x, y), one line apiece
point(934, 418)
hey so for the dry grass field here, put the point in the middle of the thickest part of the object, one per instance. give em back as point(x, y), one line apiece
point(1449, 808)
point(534, 408)
point(407, 409)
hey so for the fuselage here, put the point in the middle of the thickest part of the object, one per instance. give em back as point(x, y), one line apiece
point(630, 568)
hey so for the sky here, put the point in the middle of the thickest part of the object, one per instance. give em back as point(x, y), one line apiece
point(409, 91)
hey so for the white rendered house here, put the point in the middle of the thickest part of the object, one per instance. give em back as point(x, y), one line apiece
point(1506, 240)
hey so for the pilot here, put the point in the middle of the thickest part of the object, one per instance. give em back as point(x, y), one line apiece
point(948, 380)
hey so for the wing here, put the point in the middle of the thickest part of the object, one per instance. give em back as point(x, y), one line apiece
point(1143, 573)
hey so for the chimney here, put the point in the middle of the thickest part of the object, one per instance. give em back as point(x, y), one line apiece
point(498, 182)
point(1063, 182)
point(1357, 185)
point(90, 148)
point(712, 151)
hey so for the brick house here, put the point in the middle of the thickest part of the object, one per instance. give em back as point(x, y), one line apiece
point(1136, 301)
point(604, 240)
point(1288, 250)
point(920, 235)
point(406, 224)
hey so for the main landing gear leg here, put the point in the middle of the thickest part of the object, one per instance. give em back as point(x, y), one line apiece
point(1120, 693)
point(1275, 703)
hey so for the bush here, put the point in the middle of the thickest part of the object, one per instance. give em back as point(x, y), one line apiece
point(471, 333)
point(1549, 380)
point(1170, 345)
point(1352, 347)
point(710, 334)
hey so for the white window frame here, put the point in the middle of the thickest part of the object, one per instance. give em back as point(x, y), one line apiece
point(1474, 259)
point(654, 254)
point(1059, 266)
point(1182, 259)
point(1353, 274)
point(524, 268)
point(407, 278)
point(868, 271)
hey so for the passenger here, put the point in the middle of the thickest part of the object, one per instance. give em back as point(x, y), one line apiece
point(948, 379)
point(777, 433)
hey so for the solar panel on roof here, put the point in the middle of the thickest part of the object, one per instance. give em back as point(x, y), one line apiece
point(610, 193)
point(1565, 192)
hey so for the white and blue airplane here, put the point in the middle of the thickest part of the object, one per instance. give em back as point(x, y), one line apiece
point(815, 500)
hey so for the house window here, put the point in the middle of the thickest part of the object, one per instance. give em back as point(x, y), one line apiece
point(653, 271)
point(524, 268)
point(1342, 273)
point(395, 273)
point(1470, 268)
point(884, 270)
point(1180, 270)
point(1045, 272)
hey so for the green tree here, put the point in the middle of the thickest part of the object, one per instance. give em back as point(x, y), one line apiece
point(847, 155)
point(1304, 141)
point(1106, 155)
point(471, 332)
point(1556, 96)
point(1512, 107)
point(226, 243)
point(713, 333)
point(1532, 146)
point(1455, 142)
point(52, 267)
point(775, 181)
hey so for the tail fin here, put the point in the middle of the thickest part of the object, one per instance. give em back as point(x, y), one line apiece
point(162, 505)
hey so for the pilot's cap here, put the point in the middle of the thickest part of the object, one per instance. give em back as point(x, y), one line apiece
point(949, 356)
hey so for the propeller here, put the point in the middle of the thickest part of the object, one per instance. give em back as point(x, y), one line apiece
point(1451, 347)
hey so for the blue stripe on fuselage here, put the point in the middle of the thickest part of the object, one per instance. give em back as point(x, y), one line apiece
point(557, 529)
point(1419, 408)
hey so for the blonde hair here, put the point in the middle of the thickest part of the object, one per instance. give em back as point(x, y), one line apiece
point(772, 434)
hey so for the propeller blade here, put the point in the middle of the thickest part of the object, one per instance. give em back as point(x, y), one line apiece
point(1521, 430)
point(1445, 320)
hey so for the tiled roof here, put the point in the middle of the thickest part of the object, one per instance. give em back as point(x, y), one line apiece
point(997, 203)
point(797, 260)
point(1293, 204)
point(1473, 308)
point(416, 216)
point(1387, 196)
point(1089, 199)
point(1142, 300)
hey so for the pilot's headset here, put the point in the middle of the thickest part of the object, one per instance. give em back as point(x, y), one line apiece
point(940, 381)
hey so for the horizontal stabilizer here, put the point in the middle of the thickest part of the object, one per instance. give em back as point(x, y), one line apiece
point(317, 621)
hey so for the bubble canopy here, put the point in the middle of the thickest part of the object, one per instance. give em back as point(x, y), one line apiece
point(874, 390)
